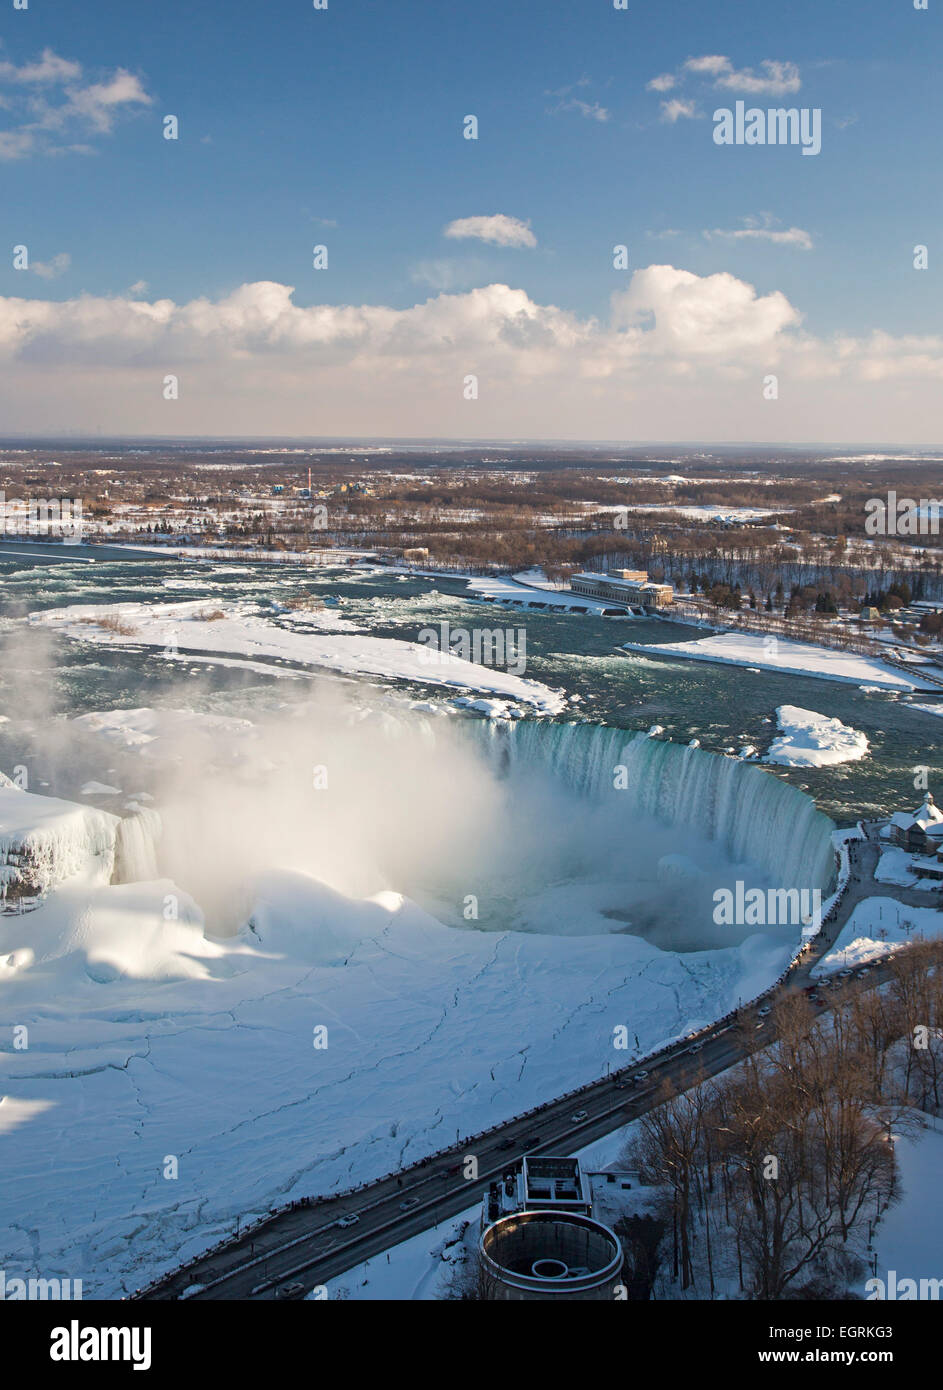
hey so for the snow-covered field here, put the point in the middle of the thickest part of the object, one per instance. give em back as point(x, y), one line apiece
point(781, 654)
point(807, 739)
point(875, 928)
point(318, 638)
point(147, 1040)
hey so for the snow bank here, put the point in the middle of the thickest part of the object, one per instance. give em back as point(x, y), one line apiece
point(773, 653)
point(807, 739)
point(44, 841)
point(877, 927)
point(161, 1041)
point(332, 643)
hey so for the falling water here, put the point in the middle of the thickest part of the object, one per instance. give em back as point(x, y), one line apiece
point(754, 816)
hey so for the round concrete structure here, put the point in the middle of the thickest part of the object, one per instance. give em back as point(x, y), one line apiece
point(549, 1254)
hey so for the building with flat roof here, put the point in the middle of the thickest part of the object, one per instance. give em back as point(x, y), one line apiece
point(630, 587)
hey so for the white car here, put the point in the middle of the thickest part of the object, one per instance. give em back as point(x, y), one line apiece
point(579, 1116)
point(641, 1076)
point(350, 1219)
point(764, 1010)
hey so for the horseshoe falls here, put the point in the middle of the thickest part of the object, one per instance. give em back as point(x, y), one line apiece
point(754, 816)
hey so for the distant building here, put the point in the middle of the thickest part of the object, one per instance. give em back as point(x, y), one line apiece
point(630, 587)
point(416, 552)
point(920, 831)
point(870, 614)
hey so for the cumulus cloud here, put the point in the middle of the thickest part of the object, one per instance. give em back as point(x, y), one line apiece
point(53, 110)
point(497, 229)
point(675, 349)
point(664, 83)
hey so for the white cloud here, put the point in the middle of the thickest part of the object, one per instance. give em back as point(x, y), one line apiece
point(53, 112)
point(764, 229)
point(48, 68)
point(676, 109)
point(50, 270)
point(680, 355)
point(712, 63)
point(497, 229)
point(774, 78)
point(777, 79)
point(592, 110)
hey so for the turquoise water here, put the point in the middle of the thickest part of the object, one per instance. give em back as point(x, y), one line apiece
point(722, 706)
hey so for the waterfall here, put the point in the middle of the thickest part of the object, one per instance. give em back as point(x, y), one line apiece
point(136, 848)
point(754, 816)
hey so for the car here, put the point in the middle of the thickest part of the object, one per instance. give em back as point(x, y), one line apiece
point(696, 1047)
point(845, 974)
point(764, 1009)
point(579, 1116)
point(864, 974)
point(506, 1144)
point(622, 1081)
point(408, 1202)
point(293, 1290)
point(814, 999)
point(640, 1076)
point(350, 1219)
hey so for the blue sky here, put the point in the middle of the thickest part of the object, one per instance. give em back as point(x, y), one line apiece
point(344, 127)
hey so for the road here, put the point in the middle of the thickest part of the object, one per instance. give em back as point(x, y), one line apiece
point(306, 1245)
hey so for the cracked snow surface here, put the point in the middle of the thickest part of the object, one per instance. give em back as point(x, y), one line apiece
point(177, 1045)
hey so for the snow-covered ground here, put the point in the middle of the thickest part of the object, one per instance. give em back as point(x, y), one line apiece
point(807, 739)
point(894, 867)
point(318, 638)
point(876, 927)
point(156, 1041)
point(44, 841)
point(909, 1238)
point(784, 655)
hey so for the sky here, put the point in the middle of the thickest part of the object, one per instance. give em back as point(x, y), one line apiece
point(471, 286)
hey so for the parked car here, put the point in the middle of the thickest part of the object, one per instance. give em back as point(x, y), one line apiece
point(764, 1009)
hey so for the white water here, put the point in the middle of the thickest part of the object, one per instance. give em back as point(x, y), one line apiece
point(136, 848)
point(755, 817)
